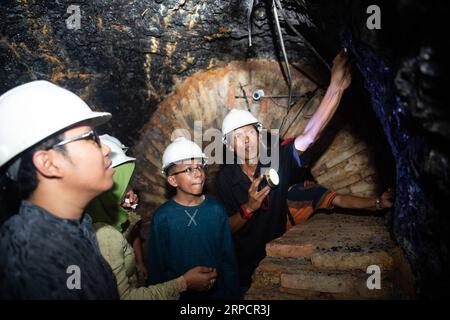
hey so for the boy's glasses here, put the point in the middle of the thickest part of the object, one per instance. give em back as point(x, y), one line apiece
point(191, 170)
point(91, 135)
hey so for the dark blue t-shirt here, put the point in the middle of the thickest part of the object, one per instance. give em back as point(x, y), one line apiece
point(183, 237)
point(41, 256)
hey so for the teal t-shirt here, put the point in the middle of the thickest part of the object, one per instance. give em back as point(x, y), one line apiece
point(183, 237)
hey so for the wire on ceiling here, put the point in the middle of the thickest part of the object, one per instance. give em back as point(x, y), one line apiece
point(249, 21)
point(298, 34)
point(286, 61)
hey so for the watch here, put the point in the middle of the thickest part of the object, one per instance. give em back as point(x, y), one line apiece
point(378, 204)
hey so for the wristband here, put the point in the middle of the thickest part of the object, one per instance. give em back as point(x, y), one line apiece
point(244, 213)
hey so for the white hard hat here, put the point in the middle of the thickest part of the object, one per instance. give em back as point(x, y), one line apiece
point(34, 111)
point(117, 154)
point(181, 149)
point(235, 119)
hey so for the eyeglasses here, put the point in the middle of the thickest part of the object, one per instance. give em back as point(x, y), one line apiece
point(91, 135)
point(191, 170)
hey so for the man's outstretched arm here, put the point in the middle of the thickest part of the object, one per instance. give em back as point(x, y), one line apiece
point(340, 80)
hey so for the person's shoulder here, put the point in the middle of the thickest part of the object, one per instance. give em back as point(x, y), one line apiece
point(106, 231)
point(108, 236)
point(225, 170)
point(286, 147)
point(11, 222)
point(213, 202)
point(14, 229)
point(166, 206)
point(163, 210)
point(287, 142)
point(16, 242)
point(215, 205)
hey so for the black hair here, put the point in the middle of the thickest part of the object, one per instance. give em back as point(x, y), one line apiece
point(170, 169)
point(9, 200)
point(27, 176)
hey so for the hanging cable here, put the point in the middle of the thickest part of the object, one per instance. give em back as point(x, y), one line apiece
point(286, 61)
point(306, 42)
point(309, 96)
point(249, 22)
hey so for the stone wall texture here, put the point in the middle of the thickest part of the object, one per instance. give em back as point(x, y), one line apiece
point(328, 258)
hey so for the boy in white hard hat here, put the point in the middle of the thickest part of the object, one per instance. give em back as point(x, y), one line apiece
point(259, 215)
point(191, 229)
point(48, 146)
point(109, 214)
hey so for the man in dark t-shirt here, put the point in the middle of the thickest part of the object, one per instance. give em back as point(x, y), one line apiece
point(257, 214)
point(268, 222)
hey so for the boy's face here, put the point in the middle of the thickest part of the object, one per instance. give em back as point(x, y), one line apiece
point(245, 142)
point(188, 177)
point(87, 168)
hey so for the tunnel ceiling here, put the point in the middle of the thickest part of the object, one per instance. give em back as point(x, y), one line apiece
point(128, 56)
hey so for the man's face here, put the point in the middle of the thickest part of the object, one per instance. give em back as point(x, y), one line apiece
point(188, 176)
point(88, 168)
point(245, 143)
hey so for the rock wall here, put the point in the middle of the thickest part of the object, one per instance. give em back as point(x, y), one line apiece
point(126, 56)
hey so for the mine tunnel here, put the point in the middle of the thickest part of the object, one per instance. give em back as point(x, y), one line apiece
point(159, 66)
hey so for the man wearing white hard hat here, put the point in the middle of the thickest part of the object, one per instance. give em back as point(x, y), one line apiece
point(258, 215)
point(48, 146)
point(191, 229)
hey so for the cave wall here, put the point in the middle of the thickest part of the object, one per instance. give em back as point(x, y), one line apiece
point(408, 96)
point(128, 56)
point(404, 72)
